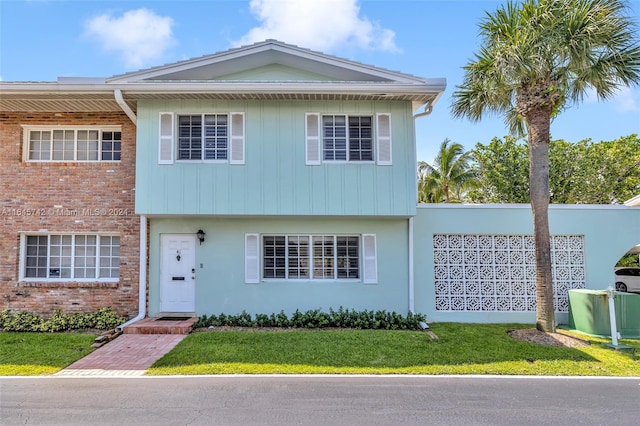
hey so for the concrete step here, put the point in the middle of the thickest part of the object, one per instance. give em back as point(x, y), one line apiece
point(161, 325)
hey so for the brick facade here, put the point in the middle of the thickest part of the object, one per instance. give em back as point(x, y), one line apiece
point(56, 196)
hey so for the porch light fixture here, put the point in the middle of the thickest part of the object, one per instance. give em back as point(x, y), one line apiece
point(200, 234)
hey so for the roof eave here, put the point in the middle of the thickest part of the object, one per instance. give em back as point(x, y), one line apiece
point(430, 85)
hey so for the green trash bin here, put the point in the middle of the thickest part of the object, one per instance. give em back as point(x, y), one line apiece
point(589, 312)
point(628, 314)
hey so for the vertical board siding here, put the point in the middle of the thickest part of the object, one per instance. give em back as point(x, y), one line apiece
point(276, 177)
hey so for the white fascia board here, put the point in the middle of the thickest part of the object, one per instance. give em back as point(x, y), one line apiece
point(269, 45)
point(281, 87)
point(431, 87)
point(635, 201)
point(189, 63)
point(9, 88)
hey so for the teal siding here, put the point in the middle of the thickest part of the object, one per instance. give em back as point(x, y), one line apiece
point(275, 72)
point(220, 265)
point(275, 179)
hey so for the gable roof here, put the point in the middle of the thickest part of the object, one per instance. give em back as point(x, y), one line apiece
point(265, 70)
point(217, 65)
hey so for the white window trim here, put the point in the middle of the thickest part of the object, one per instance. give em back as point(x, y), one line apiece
point(384, 146)
point(252, 258)
point(28, 128)
point(166, 145)
point(231, 139)
point(313, 140)
point(237, 139)
point(23, 257)
point(369, 259)
point(376, 141)
point(361, 256)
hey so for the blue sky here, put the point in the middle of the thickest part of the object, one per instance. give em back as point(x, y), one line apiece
point(41, 40)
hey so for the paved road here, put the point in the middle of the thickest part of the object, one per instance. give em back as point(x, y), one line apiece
point(313, 400)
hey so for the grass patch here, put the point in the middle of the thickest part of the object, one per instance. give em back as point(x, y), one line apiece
point(460, 349)
point(34, 354)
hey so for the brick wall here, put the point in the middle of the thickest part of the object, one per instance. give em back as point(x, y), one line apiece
point(55, 197)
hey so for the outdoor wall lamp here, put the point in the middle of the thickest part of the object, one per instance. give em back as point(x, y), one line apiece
point(200, 234)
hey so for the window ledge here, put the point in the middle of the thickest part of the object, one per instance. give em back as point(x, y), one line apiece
point(73, 284)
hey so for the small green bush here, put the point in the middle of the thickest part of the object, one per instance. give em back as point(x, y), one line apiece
point(102, 319)
point(342, 318)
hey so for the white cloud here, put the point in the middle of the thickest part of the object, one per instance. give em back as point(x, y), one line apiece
point(323, 25)
point(625, 99)
point(139, 36)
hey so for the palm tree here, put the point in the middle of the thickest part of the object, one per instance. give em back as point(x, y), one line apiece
point(448, 178)
point(538, 57)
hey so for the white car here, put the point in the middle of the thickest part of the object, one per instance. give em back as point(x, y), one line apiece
point(627, 279)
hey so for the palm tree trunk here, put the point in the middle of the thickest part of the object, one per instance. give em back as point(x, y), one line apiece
point(538, 126)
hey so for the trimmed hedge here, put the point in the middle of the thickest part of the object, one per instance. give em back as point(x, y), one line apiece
point(342, 318)
point(102, 319)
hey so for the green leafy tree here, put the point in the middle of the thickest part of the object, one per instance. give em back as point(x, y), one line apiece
point(629, 260)
point(448, 178)
point(585, 172)
point(502, 170)
point(538, 57)
point(610, 173)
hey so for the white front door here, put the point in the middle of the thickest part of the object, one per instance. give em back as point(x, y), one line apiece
point(178, 273)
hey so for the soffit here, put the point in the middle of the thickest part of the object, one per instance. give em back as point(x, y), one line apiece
point(95, 102)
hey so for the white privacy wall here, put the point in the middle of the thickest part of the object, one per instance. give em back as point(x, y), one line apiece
point(476, 263)
point(496, 273)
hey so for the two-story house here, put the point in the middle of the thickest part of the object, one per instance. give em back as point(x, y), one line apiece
point(268, 177)
point(263, 178)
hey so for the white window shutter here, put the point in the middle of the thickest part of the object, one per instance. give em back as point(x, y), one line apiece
point(384, 139)
point(312, 139)
point(236, 148)
point(252, 262)
point(370, 262)
point(165, 140)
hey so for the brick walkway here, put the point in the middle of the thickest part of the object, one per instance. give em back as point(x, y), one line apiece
point(127, 355)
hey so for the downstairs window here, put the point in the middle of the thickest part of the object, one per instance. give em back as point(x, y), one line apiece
point(60, 257)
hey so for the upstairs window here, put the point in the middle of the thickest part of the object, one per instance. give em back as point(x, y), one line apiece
point(201, 137)
point(348, 138)
point(73, 144)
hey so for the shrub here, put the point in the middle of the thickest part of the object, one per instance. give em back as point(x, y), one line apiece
point(22, 321)
point(102, 319)
point(342, 318)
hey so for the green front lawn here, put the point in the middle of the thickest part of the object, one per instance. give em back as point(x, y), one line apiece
point(460, 349)
point(33, 354)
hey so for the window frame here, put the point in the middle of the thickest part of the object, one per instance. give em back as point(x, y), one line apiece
point(311, 266)
point(235, 138)
point(381, 139)
point(73, 255)
point(28, 128)
point(203, 149)
point(348, 139)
